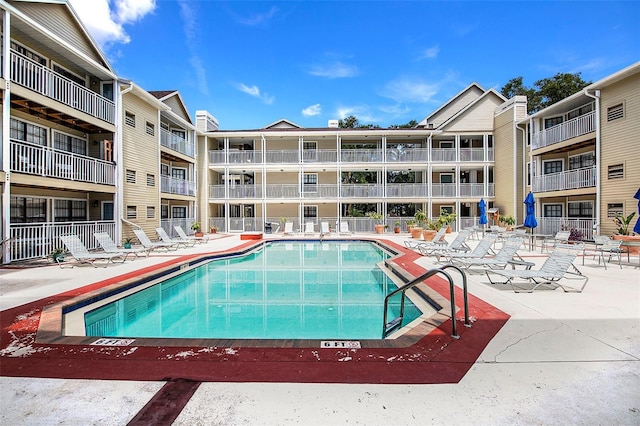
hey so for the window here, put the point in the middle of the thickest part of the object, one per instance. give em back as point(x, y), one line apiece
point(582, 209)
point(310, 151)
point(28, 210)
point(529, 169)
point(28, 53)
point(446, 177)
point(615, 171)
point(550, 122)
point(580, 111)
point(69, 75)
point(552, 210)
point(179, 133)
point(581, 161)
point(151, 212)
point(27, 132)
point(615, 112)
point(164, 126)
point(310, 212)
point(151, 180)
point(69, 210)
point(129, 119)
point(310, 182)
point(132, 212)
point(614, 209)
point(130, 176)
point(446, 144)
point(69, 143)
point(179, 212)
point(553, 166)
point(164, 211)
point(150, 129)
point(178, 173)
point(164, 169)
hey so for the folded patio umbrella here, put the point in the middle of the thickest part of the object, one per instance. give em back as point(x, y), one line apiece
point(530, 219)
point(636, 228)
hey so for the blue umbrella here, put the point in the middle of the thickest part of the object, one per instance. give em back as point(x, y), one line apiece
point(483, 211)
point(530, 220)
point(636, 228)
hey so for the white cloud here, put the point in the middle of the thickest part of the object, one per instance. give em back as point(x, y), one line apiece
point(334, 70)
point(259, 18)
point(312, 110)
point(105, 19)
point(190, 27)
point(430, 53)
point(361, 112)
point(255, 92)
point(409, 90)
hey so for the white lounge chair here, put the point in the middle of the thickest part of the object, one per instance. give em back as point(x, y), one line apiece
point(457, 245)
point(309, 228)
point(555, 268)
point(109, 246)
point(437, 239)
point(167, 239)
point(483, 248)
point(147, 243)
point(506, 255)
point(79, 252)
point(561, 237)
point(344, 228)
point(288, 228)
point(183, 235)
point(324, 228)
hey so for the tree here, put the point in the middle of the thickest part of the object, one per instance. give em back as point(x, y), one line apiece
point(410, 125)
point(351, 122)
point(546, 91)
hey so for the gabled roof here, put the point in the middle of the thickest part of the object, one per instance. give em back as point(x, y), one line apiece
point(283, 123)
point(451, 101)
point(471, 105)
point(173, 99)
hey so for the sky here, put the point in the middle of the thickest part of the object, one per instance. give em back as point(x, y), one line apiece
point(251, 63)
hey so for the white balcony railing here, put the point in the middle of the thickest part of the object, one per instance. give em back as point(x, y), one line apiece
point(283, 191)
point(37, 240)
point(171, 185)
point(443, 190)
point(361, 155)
point(471, 154)
point(282, 156)
point(406, 190)
point(44, 161)
point(361, 190)
point(551, 225)
point(567, 130)
point(177, 143)
point(472, 189)
point(320, 191)
point(409, 155)
point(571, 179)
point(47, 82)
point(439, 155)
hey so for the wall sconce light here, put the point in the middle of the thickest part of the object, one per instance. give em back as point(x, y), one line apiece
point(95, 203)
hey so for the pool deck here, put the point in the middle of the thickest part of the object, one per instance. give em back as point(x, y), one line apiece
point(561, 358)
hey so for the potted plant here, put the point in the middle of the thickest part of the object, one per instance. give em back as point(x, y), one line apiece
point(431, 228)
point(57, 255)
point(213, 229)
point(196, 229)
point(396, 227)
point(623, 223)
point(508, 221)
point(446, 219)
point(378, 219)
point(421, 219)
point(126, 243)
point(410, 224)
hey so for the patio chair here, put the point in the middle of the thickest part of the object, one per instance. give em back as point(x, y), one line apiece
point(324, 228)
point(437, 239)
point(604, 245)
point(309, 228)
point(183, 235)
point(167, 239)
point(79, 252)
point(344, 228)
point(288, 228)
point(147, 243)
point(558, 266)
point(457, 245)
point(109, 246)
point(508, 254)
point(483, 248)
point(561, 237)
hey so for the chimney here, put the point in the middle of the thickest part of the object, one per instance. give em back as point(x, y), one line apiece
point(333, 124)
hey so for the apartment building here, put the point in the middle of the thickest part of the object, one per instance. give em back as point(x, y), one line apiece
point(285, 171)
point(583, 166)
point(59, 130)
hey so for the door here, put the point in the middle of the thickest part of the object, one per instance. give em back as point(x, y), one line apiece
point(236, 218)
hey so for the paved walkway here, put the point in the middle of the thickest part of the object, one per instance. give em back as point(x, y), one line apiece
point(562, 358)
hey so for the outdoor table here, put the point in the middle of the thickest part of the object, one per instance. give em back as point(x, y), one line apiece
point(626, 246)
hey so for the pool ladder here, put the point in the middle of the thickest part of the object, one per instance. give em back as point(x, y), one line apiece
point(390, 326)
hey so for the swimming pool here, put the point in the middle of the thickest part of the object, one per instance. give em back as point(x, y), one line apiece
point(285, 290)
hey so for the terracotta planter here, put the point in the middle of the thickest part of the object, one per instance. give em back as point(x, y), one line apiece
point(416, 232)
point(213, 230)
point(448, 230)
point(379, 229)
point(428, 234)
point(199, 234)
point(632, 250)
point(396, 230)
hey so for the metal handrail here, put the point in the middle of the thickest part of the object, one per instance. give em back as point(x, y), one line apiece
point(387, 327)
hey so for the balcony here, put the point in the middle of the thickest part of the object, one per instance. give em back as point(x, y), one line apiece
point(411, 155)
point(406, 190)
point(362, 191)
point(177, 143)
point(570, 129)
point(171, 185)
point(48, 162)
point(46, 82)
point(37, 240)
point(361, 155)
point(572, 179)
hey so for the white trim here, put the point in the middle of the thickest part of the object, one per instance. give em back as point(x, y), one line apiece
point(551, 160)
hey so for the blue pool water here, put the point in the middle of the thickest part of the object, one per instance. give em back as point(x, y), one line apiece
point(287, 290)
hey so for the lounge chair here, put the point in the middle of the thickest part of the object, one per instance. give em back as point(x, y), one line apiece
point(324, 228)
point(457, 245)
point(483, 248)
point(167, 239)
point(555, 268)
point(604, 245)
point(344, 228)
point(437, 239)
point(309, 228)
point(109, 246)
point(147, 243)
point(288, 228)
point(561, 237)
point(79, 252)
point(508, 254)
point(183, 235)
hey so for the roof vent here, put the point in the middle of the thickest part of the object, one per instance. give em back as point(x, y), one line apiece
point(333, 124)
